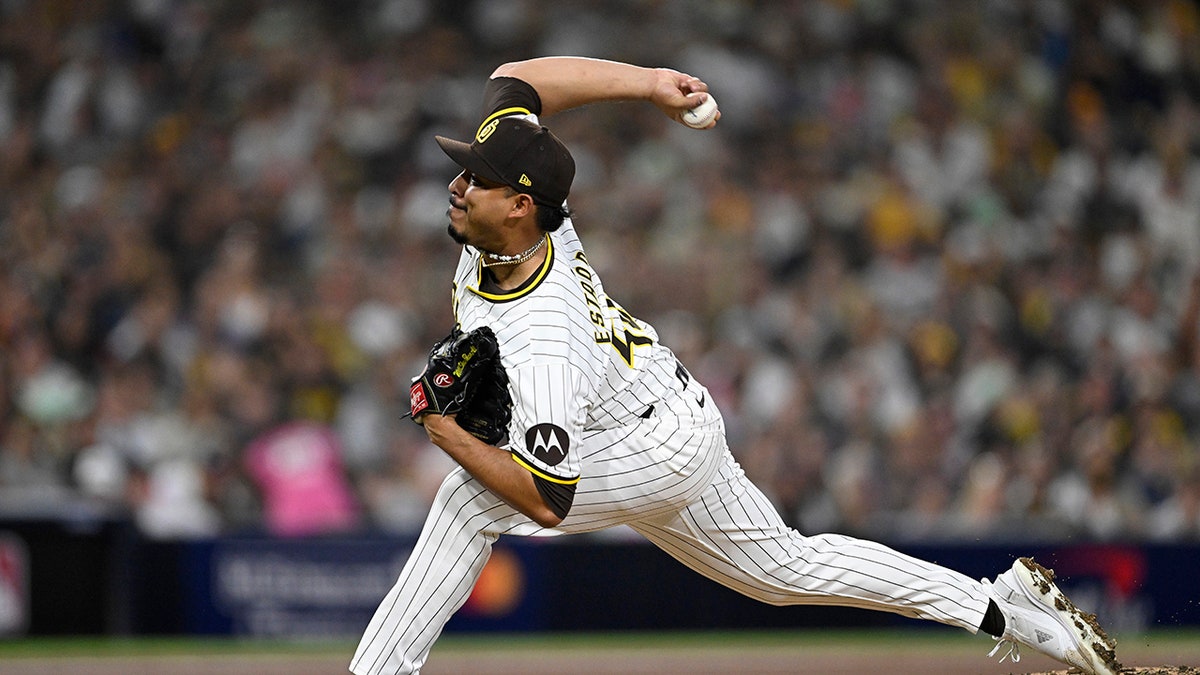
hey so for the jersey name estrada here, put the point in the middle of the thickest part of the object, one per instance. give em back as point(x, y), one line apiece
point(576, 360)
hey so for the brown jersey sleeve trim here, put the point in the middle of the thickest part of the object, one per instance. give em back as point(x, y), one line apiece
point(558, 496)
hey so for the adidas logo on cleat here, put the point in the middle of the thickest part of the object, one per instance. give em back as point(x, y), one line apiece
point(1043, 636)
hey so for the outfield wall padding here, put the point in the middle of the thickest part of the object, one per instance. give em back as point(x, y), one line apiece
point(103, 578)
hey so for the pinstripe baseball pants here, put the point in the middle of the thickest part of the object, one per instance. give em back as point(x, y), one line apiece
point(672, 479)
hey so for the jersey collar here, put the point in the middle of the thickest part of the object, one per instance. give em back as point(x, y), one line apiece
point(524, 289)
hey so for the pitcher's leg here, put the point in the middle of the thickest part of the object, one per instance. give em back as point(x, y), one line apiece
point(734, 536)
point(457, 539)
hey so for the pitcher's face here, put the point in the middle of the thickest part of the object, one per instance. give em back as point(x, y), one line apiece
point(477, 207)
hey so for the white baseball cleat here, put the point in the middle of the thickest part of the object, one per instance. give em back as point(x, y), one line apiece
point(1038, 615)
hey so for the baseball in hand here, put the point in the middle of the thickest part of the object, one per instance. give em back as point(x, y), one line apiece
point(702, 115)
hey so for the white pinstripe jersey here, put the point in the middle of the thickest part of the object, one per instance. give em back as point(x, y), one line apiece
point(575, 359)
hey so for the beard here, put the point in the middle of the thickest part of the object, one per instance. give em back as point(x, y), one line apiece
point(458, 237)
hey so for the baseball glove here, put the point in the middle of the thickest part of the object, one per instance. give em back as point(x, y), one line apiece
point(463, 377)
point(488, 408)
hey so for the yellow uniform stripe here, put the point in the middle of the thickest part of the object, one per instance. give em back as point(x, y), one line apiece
point(540, 474)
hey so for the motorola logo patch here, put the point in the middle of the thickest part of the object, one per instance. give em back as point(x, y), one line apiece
point(547, 443)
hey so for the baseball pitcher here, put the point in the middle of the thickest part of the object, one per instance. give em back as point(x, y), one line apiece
point(566, 414)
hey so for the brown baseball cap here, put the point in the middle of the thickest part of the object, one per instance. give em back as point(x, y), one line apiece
point(520, 154)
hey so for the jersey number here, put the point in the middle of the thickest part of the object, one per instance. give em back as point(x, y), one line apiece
point(623, 338)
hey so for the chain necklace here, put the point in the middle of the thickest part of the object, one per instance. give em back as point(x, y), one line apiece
point(497, 259)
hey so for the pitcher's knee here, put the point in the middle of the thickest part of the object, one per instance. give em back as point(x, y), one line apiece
point(774, 597)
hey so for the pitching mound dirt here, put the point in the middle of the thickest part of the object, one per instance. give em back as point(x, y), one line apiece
point(1139, 670)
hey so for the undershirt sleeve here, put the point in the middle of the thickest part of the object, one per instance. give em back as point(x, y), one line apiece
point(511, 97)
point(558, 496)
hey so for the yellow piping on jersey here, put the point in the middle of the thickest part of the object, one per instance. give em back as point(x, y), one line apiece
point(528, 288)
point(543, 475)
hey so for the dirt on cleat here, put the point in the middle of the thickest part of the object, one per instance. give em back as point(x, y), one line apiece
point(1104, 646)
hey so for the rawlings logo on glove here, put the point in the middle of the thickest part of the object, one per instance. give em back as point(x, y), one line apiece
point(463, 376)
point(416, 399)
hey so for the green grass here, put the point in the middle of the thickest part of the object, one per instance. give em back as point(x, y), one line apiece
point(457, 642)
point(152, 646)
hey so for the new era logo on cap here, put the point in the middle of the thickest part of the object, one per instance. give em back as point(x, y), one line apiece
point(519, 153)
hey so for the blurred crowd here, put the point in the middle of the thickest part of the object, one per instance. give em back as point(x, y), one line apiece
point(939, 263)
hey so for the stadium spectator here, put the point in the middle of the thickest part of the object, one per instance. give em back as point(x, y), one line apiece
point(966, 236)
